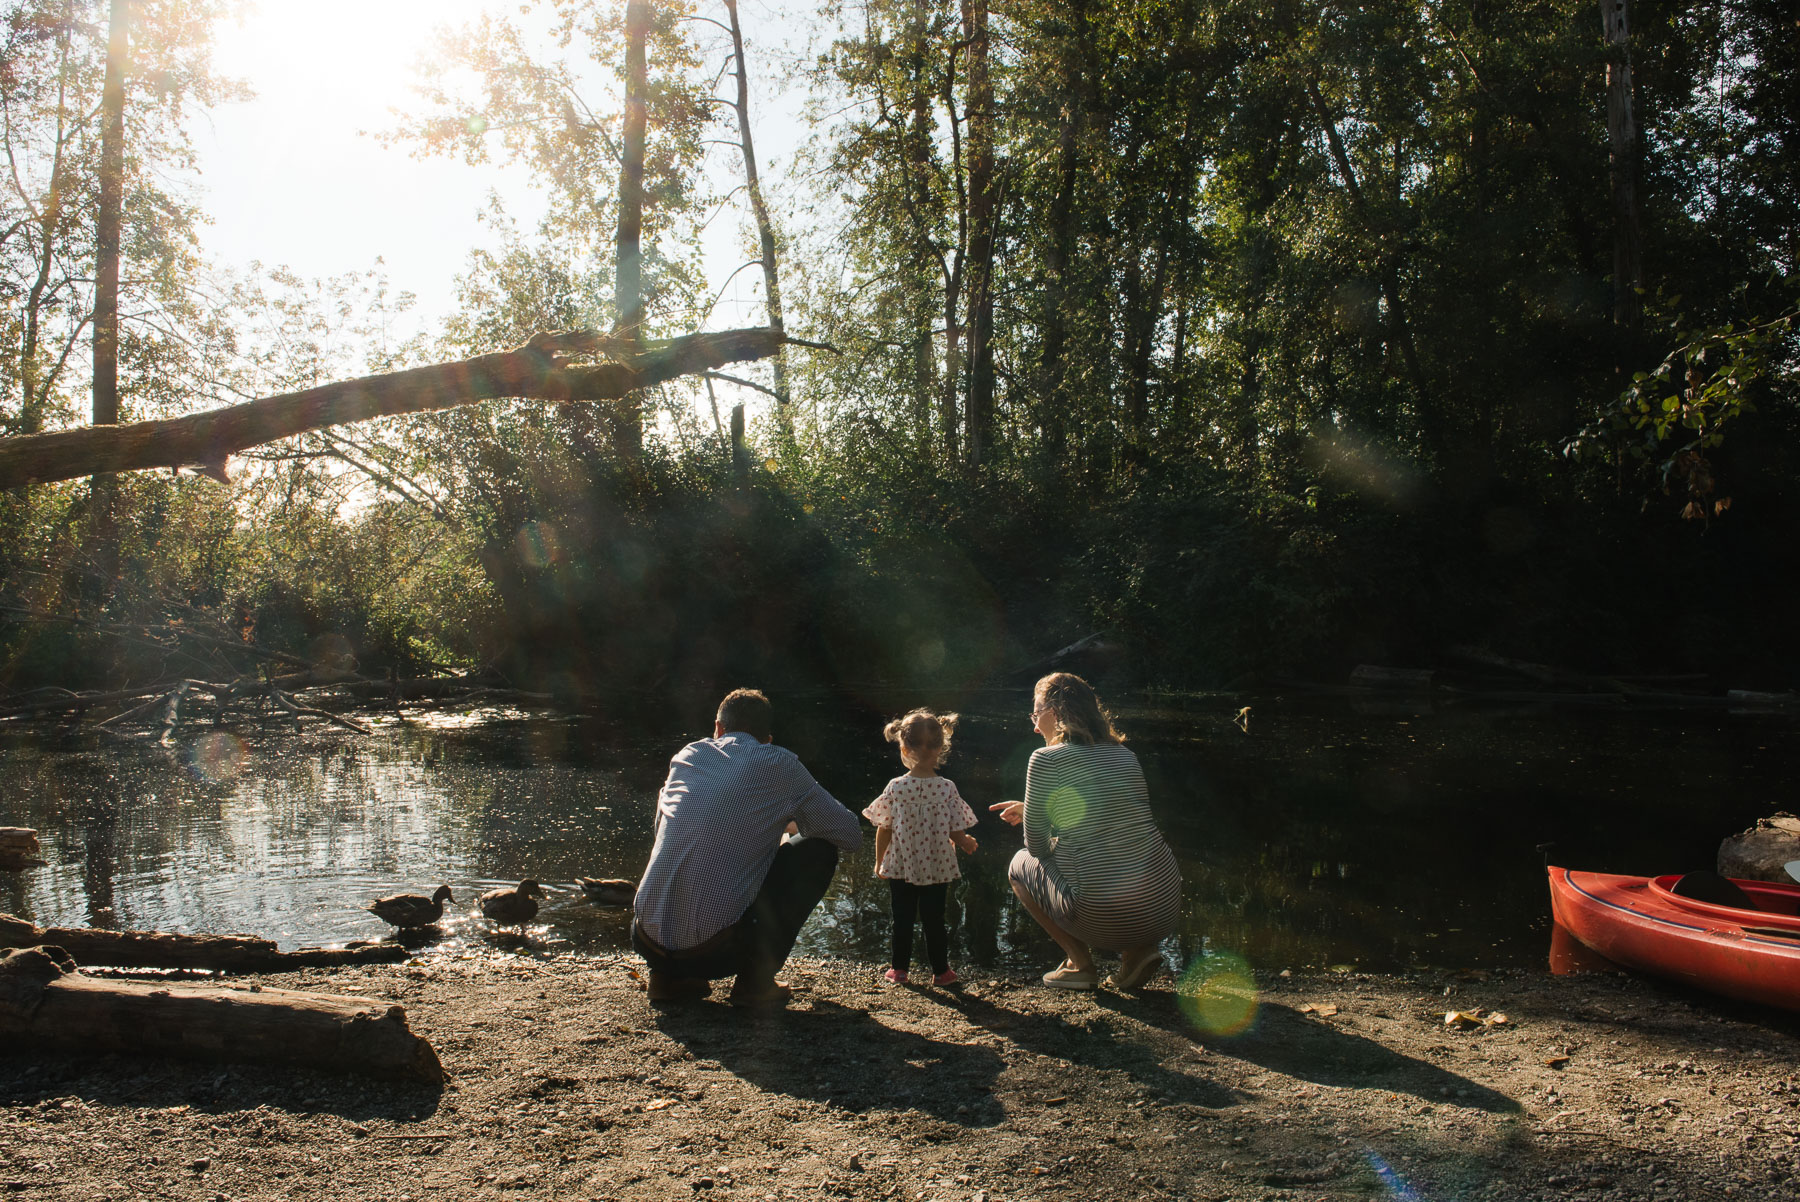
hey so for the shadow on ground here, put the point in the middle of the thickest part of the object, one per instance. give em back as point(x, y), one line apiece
point(151, 1083)
point(1283, 1040)
point(844, 1057)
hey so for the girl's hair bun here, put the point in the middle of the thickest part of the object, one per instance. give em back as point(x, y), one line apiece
point(923, 731)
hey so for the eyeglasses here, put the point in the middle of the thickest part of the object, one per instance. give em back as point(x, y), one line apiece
point(1034, 714)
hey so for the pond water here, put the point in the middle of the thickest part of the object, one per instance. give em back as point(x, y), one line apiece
point(1317, 837)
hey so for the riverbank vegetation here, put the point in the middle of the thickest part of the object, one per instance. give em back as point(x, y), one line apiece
point(1270, 339)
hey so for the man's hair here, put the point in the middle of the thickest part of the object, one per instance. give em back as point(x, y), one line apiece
point(749, 711)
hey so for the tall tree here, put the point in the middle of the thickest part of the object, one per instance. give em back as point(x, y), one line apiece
point(759, 205)
point(108, 218)
point(54, 92)
point(604, 105)
point(628, 297)
point(982, 204)
point(1623, 162)
point(107, 222)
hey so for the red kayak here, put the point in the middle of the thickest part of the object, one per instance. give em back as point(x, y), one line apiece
point(1743, 951)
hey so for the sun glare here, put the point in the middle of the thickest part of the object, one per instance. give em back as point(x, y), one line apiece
point(295, 177)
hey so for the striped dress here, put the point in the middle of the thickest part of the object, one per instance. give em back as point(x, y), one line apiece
point(1093, 857)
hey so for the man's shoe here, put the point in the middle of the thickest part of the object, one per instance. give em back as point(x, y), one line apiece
point(894, 976)
point(664, 988)
point(764, 995)
point(947, 977)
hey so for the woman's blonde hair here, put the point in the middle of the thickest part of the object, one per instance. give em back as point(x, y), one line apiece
point(1080, 718)
point(923, 733)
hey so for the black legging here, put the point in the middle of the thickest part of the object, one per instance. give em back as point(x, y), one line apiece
point(926, 901)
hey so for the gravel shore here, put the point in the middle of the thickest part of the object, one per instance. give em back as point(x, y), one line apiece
point(565, 1082)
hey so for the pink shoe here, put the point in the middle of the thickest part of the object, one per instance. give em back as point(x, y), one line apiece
point(947, 977)
point(895, 976)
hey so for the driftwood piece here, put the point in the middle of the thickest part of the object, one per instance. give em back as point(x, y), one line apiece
point(296, 710)
point(19, 848)
point(1762, 852)
point(1749, 699)
point(160, 949)
point(45, 1004)
point(537, 371)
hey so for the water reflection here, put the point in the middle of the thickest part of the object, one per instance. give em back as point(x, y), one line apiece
point(1312, 839)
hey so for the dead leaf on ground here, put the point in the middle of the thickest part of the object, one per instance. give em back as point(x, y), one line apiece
point(1322, 1009)
point(1475, 1018)
point(1556, 1061)
point(659, 1104)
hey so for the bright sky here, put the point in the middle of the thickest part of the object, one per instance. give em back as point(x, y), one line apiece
point(291, 179)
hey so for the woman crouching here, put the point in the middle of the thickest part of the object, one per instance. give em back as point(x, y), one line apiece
point(1095, 872)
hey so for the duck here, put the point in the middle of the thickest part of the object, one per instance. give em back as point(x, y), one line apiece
point(608, 892)
point(410, 910)
point(513, 907)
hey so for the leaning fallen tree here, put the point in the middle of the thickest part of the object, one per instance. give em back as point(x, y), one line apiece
point(46, 1005)
point(539, 370)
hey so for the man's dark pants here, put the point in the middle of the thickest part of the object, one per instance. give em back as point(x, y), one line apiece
point(757, 944)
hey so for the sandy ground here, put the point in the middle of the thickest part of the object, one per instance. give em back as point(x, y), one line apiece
point(567, 1083)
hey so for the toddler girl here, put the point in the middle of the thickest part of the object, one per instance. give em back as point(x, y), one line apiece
point(919, 819)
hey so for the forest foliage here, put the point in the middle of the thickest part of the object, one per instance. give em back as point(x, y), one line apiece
point(1268, 336)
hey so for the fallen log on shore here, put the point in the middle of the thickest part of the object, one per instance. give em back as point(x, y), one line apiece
point(159, 949)
point(19, 848)
point(46, 1004)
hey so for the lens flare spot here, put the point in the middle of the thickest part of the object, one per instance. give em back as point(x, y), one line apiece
point(476, 125)
point(1218, 994)
point(216, 756)
point(1066, 807)
point(769, 464)
point(538, 545)
point(931, 654)
point(1394, 1186)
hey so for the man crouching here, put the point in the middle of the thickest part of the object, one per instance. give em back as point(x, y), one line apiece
point(724, 895)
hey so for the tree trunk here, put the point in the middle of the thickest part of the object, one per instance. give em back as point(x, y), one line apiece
point(107, 220)
point(35, 386)
point(1060, 251)
point(1143, 315)
point(536, 371)
point(1621, 124)
point(46, 1005)
point(765, 230)
point(979, 405)
point(953, 273)
point(918, 155)
point(103, 534)
point(628, 293)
